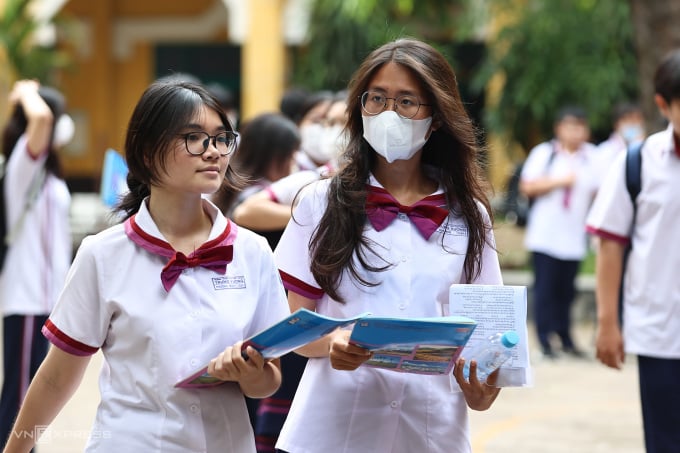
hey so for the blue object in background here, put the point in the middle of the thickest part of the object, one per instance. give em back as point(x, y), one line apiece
point(114, 174)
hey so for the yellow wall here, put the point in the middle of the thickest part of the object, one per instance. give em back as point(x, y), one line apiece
point(263, 59)
point(102, 88)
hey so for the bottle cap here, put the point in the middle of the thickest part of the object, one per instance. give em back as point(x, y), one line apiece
point(510, 339)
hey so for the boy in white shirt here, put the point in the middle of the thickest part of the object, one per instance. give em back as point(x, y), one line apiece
point(559, 176)
point(651, 296)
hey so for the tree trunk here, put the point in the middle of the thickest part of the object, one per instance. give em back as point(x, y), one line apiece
point(656, 33)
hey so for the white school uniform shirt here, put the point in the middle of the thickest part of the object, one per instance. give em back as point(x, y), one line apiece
point(303, 162)
point(556, 221)
point(152, 338)
point(608, 151)
point(38, 260)
point(612, 147)
point(370, 410)
point(285, 189)
point(651, 291)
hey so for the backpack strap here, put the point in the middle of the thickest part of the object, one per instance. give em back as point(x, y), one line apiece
point(634, 171)
point(33, 191)
point(634, 177)
point(553, 153)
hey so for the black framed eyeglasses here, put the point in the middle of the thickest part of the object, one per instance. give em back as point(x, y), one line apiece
point(197, 143)
point(406, 106)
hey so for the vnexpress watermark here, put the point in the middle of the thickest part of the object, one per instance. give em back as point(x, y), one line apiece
point(46, 435)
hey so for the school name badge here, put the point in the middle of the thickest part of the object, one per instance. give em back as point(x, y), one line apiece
point(235, 282)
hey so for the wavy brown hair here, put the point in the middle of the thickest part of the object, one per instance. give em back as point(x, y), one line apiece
point(451, 150)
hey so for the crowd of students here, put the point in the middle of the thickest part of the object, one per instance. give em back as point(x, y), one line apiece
point(217, 244)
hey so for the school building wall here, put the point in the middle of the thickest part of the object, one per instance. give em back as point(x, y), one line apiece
point(121, 46)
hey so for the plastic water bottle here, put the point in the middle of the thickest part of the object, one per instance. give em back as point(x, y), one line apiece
point(491, 354)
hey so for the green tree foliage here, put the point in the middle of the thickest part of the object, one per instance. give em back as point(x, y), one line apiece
point(342, 33)
point(556, 53)
point(26, 59)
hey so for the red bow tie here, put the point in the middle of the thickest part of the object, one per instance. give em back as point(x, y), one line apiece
point(215, 259)
point(426, 215)
point(214, 254)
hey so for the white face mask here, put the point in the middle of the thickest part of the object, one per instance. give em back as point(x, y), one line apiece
point(64, 131)
point(333, 141)
point(394, 137)
point(310, 142)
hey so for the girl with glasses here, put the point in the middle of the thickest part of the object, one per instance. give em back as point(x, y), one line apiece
point(162, 294)
point(405, 217)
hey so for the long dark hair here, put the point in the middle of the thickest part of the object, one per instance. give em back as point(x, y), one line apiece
point(267, 141)
point(17, 123)
point(451, 150)
point(162, 111)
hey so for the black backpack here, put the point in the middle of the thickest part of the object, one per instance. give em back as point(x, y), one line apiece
point(516, 205)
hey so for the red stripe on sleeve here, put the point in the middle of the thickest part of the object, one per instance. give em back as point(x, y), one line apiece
point(607, 235)
point(64, 342)
point(298, 286)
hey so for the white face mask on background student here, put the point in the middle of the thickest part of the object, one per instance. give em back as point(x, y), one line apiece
point(394, 137)
point(333, 141)
point(64, 130)
point(310, 142)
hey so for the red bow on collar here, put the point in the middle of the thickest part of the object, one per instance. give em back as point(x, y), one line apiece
point(382, 208)
point(215, 259)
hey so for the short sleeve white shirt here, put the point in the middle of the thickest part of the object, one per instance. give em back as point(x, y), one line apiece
point(38, 259)
point(556, 222)
point(371, 410)
point(152, 338)
point(285, 189)
point(651, 293)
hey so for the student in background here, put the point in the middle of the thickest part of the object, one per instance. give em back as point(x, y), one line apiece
point(561, 177)
point(312, 116)
point(269, 216)
point(628, 128)
point(412, 149)
point(265, 154)
point(162, 293)
point(271, 207)
point(651, 300)
point(292, 103)
point(36, 211)
point(227, 101)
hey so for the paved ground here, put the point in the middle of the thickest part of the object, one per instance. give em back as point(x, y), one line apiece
point(575, 406)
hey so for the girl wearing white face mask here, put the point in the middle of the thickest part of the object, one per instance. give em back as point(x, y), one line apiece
point(311, 124)
point(334, 138)
point(405, 216)
point(391, 135)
